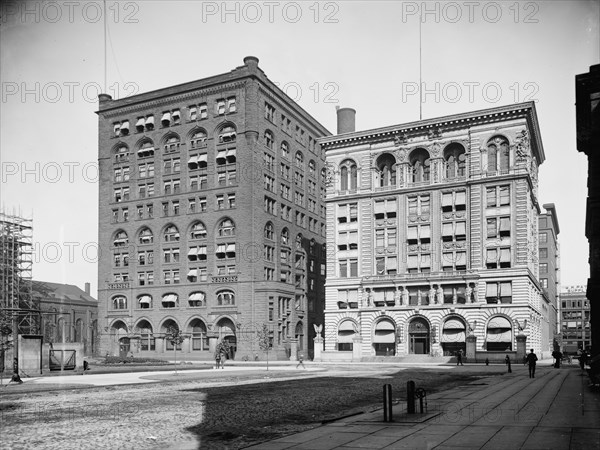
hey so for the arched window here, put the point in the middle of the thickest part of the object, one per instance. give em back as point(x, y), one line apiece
point(170, 301)
point(323, 175)
point(386, 164)
point(121, 153)
point(121, 239)
point(225, 298)
point(147, 342)
point(227, 134)
point(60, 330)
point(311, 168)
point(78, 331)
point(499, 334)
point(498, 152)
point(299, 161)
point(421, 165)
point(455, 159)
point(145, 236)
point(168, 327)
point(299, 241)
point(144, 301)
point(226, 228)
point(348, 175)
point(285, 237)
point(146, 149)
point(119, 302)
point(197, 299)
point(269, 140)
point(198, 139)
point(269, 231)
point(171, 234)
point(171, 144)
point(198, 231)
point(285, 150)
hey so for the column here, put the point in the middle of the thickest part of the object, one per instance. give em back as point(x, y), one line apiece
point(356, 348)
point(293, 349)
point(471, 347)
point(318, 348)
point(521, 346)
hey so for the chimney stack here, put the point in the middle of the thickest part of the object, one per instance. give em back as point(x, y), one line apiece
point(87, 288)
point(346, 120)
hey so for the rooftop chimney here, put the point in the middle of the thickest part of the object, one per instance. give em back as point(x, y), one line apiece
point(87, 288)
point(346, 118)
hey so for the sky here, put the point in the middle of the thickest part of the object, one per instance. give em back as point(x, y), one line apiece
point(359, 54)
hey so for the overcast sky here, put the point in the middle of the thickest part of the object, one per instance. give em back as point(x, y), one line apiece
point(359, 54)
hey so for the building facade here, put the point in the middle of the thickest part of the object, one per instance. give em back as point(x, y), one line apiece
point(432, 234)
point(575, 319)
point(69, 314)
point(549, 260)
point(211, 218)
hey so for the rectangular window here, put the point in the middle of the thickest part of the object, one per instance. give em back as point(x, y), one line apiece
point(498, 292)
point(543, 268)
point(543, 238)
point(497, 196)
point(543, 253)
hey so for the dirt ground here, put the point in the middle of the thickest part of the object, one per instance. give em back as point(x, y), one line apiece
point(224, 411)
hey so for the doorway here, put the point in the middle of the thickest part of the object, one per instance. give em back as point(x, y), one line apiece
point(418, 334)
point(124, 347)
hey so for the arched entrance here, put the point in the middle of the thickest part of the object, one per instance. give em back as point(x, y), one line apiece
point(499, 335)
point(454, 336)
point(124, 346)
point(119, 333)
point(418, 336)
point(384, 338)
point(226, 332)
point(300, 336)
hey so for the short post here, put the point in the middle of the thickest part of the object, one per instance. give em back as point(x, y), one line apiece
point(387, 403)
point(410, 397)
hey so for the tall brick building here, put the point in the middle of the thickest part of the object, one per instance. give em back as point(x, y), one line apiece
point(433, 232)
point(549, 264)
point(211, 218)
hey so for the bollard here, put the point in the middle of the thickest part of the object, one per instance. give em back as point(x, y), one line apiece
point(421, 394)
point(410, 397)
point(387, 403)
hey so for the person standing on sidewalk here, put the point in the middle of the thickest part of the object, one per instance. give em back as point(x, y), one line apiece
point(507, 361)
point(531, 358)
point(459, 357)
point(300, 362)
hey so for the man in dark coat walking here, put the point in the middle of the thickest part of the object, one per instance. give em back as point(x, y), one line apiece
point(531, 358)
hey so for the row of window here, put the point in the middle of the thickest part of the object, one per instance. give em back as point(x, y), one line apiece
point(172, 117)
point(286, 126)
point(171, 300)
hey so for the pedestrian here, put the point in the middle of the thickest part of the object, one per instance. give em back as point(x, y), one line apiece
point(223, 357)
point(459, 357)
point(217, 360)
point(507, 361)
point(531, 359)
point(300, 362)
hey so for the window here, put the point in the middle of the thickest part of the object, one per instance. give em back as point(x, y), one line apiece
point(419, 205)
point(311, 168)
point(454, 231)
point(285, 191)
point(197, 299)
point(144, 301)
point(226, 228)
point(420, 163)
point(348, 268)
point(172, 165)
point(543, 253)
point(285, 237)
point(269, 162)
point(171, 276)
point(171, 234)
point(270, 206)
point(455, 160)
point(120, 239)
point(497, 196)
point(453, 202)
point(386, 209)
point(198, 139)
point(543, 238)
point(386, 265)
point(145, 190)
point(146, 170)
point(285, 171)
point(145, 236)
point(225, 298)
point(498, 227)
point(544, 282)
point(269, 231)
point(269, 253)
point(348, 240)
point(543, 267)
point(225, 250)
point(498, 292)
point(454, 261)
point(498, 154)
point(170, 301)
point(121, 194)
point(497, 258)
point(286, 124)
point(269, 183)
point(269, 112)
point(231, 105)
point(348, 176)
point(121, 154)
point(419, 235)
point(171, 144)
point(220, 107)
point(171, 255)
point(386, 165)
point(121, 174)
point(268, 139)
point(119, 302)
point(420, 263)
point(145, 257)
point(145, 278)
point(348, 213)
point(227, 134)
point(299, 161)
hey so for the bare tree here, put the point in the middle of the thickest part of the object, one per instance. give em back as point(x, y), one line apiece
point(175, 337)
point(264, 340)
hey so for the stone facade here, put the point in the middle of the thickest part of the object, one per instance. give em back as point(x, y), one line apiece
point(432, 235)
point(211, 218)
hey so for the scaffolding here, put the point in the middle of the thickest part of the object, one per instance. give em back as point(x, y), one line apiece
point(16, 267)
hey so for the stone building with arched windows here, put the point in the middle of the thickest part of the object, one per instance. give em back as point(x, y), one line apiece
point(432, 238)
point(211, 219)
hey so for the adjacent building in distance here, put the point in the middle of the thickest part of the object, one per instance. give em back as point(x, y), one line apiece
point(550, 269)
point(212, 218)
point(432, 233)
point(575, 319)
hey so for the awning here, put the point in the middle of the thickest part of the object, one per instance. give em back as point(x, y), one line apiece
point(230, 248)
point(202, 250)
point(169, 298)
point(343, 211)
point(413, 261)
point(412, 233)
point(504, 255)
point(461, 258)
point(166, 117)
point(504, 223)
point(119, 241)
point(453, 324)
point(498, 335)
point(447, 199)
point(505, 289)
point(425, 232)
point(392, 264)
point(220, 248)
point(347, 325)
point(197, 296)
point(221, 154)
point(125, 125)
point(499, 322)
point(193, 160)
point(176, 115)
point(145, 299)
point(384, 325)
point(461, 228)
point(193, 273)
point(202, 158)
point(231, 153)
point(453, 336)
point(150, 120)
point(140, 123)
point(379, 207)
point(193, 251)
point(491, 255)
point(425, 260)
point(447, 229)
point(461, 198)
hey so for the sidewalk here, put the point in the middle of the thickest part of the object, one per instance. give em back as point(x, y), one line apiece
point(554, 410)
